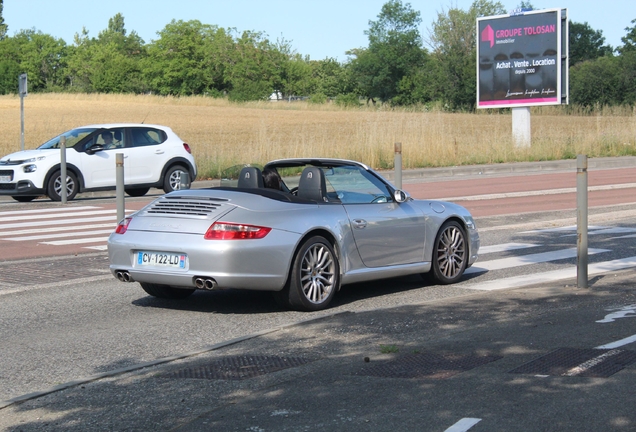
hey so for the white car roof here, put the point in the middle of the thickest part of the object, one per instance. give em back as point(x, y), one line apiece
point(116, 125)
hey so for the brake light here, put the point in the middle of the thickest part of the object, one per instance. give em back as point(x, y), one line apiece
point(122, 226)
point(232, 231)
point(187, 148)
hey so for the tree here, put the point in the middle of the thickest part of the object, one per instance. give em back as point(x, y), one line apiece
point(629, 40)
point(188, 58)
point(110, 63)
point(116, 24)
point(453, 40)
point(41, 56)
point(331, 78)
point(3, 26)
point(588, 90)
point(10, 67)
point(395, 51)
point(256, 68)
point(586, 43)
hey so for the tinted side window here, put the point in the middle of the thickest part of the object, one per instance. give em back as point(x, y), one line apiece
point(147, 136)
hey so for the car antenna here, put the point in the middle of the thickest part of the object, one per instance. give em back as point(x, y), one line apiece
point(144, 120)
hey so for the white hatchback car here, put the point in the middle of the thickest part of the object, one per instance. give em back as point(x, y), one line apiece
point(154, 156)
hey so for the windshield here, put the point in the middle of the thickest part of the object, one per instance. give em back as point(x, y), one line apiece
point(72, 138)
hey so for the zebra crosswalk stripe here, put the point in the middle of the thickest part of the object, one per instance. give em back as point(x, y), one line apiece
point(552, 276)
point(524, 260)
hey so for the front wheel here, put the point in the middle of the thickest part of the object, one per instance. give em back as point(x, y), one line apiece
point(54, 187)
point(314, 278)
point(172, 180)
point(166, 291)
point(450, 253)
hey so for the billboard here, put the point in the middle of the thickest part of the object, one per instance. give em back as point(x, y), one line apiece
point(522, 59)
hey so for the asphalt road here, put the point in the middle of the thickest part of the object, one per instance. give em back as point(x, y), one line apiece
point(64, 317)
point(59, 331)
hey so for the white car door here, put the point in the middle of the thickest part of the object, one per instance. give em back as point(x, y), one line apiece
point(146, 155)
point(99, 168)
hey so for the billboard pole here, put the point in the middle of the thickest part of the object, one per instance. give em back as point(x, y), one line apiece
point(521, 131)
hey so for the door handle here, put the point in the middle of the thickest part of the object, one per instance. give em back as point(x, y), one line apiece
point(359, 223)
point(159, 151)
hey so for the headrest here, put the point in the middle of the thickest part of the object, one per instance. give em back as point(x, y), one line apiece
point(250, 177)
point(312, 185)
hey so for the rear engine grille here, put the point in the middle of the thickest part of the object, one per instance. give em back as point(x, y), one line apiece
point(192, 206)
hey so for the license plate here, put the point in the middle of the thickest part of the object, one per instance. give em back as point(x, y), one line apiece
point(161, 259)
point(5, 179)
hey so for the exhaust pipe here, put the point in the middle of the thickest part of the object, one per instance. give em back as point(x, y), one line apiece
point(123, 276)
point(206, 283)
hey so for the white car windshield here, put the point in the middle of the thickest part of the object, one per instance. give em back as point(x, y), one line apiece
point(72, 137)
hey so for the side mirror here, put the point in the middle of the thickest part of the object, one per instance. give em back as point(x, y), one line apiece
point(94, 149)
point(400, 196)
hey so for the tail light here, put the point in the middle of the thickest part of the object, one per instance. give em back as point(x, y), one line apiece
point(233, 231)
point(187, 148)
point(122, 226)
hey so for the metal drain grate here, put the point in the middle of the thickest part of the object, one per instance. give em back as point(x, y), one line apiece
point(591, 363)
point(54, 270)
point(427, 365)
point(239, 367)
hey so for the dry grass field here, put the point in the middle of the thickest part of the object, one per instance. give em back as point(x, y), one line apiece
point(223, 133)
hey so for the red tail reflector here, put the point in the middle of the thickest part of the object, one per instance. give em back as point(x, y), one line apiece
point(187, 148)
point(122, 227)
point(233, 231)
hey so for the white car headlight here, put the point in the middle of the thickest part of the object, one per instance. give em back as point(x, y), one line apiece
point(30, 168)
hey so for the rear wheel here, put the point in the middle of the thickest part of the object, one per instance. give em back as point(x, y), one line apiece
point(450, 254)
point(137, 192)
point(54, 187)
point(21, 198)
point(172, 180)
point(166, 291)
point(314, 278)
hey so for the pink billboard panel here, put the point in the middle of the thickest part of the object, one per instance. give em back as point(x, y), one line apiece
point(520, 59)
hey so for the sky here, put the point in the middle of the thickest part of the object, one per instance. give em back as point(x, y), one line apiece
point(318, 28)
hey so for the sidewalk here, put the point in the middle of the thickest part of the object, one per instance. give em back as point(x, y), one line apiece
point(501, 169)
point(422, 367)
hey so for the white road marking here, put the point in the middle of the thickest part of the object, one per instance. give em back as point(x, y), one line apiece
point(624, 237)
point(537, 193)
point(563, 228)
point(58, 215)
point(620, 313)
point(552, 276)
point(99, 248)
point(76, 241)
point(47, 210)
point(59, 222)
point(523, 260)
point(463, 425)
point(505, 247)
point(62, 235)
point(73, 227)
point(587, 365)
point(618, 343)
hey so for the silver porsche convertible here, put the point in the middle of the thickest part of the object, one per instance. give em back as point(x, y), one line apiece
point(300, 228)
